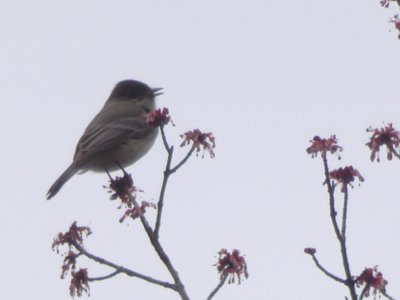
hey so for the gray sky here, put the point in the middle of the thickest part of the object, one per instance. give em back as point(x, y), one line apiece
point(264, 77)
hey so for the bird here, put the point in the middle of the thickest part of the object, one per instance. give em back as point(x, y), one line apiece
point(118, 136)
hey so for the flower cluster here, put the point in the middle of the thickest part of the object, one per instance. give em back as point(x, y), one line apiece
point(373, 280)
point(346, 176)
point(320, 145)
point(231, 264)
point(74, 235)
point(136, 212)
point(122, 187)
point(69, 263)
point(388, 136)
point(79, 283)
point(158, 117)
point(205, 141)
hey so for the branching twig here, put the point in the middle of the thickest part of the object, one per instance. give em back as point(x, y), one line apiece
point(349, 279)
point(326, 272)
point(178, 286)
point(124, 188)
point(167, 172)
point(154, 235)
point(331, 191)
point(160, 204)
point(120, 269)
point(174, 169)
point(344, 177)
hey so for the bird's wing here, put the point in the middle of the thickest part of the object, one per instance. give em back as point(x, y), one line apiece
point(105, 137)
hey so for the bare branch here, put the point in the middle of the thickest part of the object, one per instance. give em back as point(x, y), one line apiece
point(326, 272)
point(178, 286)
point(167, 172)
point(331, 193)
point(164, 138)
point(174, 169)
point(120, 269)
point(344, 213)
point(160, 204)
point(218, 287)
point(349, 282)
point(105, 277)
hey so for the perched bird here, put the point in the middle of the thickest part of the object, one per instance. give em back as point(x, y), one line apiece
point(118, 136)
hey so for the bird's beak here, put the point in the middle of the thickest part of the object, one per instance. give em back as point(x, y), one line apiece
point(156, 91)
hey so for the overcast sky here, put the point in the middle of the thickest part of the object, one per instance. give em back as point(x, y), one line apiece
point(264, 77)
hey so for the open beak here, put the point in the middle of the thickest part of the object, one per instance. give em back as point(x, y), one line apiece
point(156, 91)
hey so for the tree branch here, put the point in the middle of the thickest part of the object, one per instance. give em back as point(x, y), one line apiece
point(344, 213)
point(105, 277)
point(120, 269)
point(326, 272)
point(174, 169)
point(218, 287)
point(331, 191)
point(164, 138)
point(342, 241)
point(167, 172)
point(160, 204)
point(178, 286)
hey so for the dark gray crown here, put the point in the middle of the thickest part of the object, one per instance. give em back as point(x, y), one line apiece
point(131, 89)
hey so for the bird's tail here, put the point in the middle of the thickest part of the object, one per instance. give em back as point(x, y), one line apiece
point(58, 184)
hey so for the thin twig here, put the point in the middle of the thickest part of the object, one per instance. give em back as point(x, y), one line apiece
point(344, 214)
point(331, 198)
point(218, 287)
point(174, 169)
point(167, 172)
point(326, 272)
point(120, 269)
point(342, 242)
point(164, 138)
point(178, 286)
point(154, 235)
point(105, 277)
point(160, 204)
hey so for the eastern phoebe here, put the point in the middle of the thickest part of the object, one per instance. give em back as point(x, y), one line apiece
point(118, 136)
